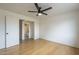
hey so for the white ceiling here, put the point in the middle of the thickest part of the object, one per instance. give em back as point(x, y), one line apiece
point(22, 8)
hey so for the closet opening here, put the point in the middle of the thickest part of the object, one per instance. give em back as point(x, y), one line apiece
point(26, 30)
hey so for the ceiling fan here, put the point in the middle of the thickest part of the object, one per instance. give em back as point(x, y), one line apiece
point(39, 11)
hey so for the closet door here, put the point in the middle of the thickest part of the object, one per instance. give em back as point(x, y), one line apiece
point(12, 31)
point(2, 31)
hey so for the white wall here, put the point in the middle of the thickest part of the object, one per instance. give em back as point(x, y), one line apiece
point(2, 31)
point(61, 28)
point(36, 30)
point(31, 30)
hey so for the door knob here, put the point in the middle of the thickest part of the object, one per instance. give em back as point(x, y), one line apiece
point(6, 33)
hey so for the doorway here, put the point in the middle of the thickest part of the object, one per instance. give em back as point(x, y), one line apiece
point(26, 30)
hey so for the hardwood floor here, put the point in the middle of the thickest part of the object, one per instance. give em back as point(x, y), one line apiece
point(40, 47)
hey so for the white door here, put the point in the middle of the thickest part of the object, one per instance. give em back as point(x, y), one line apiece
point(2, 31)
point(12, 30)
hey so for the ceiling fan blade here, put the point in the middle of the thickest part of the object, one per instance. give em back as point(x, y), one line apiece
point(44, 13)
point(47, 9)
point(32, 11)
point(36, 5)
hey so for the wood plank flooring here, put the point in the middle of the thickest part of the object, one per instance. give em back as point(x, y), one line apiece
point(39, 47)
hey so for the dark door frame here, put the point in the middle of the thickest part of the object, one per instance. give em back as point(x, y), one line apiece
point(20, 31)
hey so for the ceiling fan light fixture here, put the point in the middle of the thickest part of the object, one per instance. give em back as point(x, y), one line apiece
point(39, 14)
